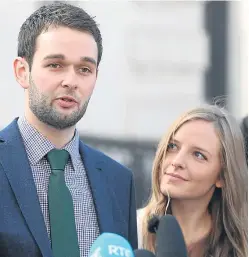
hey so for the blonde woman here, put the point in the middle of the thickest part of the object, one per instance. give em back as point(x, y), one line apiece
point(200, 176)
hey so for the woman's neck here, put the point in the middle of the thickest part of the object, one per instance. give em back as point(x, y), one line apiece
point(193, 218)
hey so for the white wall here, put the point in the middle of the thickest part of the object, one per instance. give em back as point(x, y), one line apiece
point(238, 57)
point(12, 15)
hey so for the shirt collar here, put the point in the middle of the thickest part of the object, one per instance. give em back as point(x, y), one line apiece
point(37, 146)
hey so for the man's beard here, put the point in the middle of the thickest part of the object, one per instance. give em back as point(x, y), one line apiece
point(42, 108)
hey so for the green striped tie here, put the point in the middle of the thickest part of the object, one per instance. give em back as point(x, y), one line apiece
point(61, 212)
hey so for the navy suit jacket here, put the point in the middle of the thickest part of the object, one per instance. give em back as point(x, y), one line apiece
point(22, 229)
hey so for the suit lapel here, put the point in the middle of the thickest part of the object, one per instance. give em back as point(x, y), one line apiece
point(105, 202)
point(15, 163)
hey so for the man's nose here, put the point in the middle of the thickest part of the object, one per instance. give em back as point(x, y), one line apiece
point(70, 79)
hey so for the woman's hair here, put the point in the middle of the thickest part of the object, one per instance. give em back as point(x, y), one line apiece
point(228, 205)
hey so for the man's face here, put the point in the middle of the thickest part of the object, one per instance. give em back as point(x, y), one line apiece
point(62, 77)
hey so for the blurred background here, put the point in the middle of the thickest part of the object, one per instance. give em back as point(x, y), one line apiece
point(160, 58)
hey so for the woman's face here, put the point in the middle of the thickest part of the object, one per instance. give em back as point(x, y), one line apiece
point(192, 165)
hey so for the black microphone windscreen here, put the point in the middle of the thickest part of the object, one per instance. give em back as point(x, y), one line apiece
point(143, 253)
point(169, 240)
point(153, 223)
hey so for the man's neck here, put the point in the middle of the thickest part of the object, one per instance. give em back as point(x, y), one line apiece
point(59, 138)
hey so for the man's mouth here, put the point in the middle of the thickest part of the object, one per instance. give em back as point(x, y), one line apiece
point(67, 99)
point(66, 102)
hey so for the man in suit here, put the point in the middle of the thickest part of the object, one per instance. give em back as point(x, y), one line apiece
point(57, 195)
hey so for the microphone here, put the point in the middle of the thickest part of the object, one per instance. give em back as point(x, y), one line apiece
point(143, 253)
point(169, 238)
point(109, 244)
point(153, 223)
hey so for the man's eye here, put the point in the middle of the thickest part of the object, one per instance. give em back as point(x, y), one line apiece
point(200, 156)
point(54, 65)
point(85, 70)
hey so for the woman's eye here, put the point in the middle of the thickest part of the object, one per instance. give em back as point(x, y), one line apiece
point(200, 156)
point(172, 146)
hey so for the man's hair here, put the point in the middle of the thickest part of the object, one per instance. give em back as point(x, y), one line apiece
point(55, 15)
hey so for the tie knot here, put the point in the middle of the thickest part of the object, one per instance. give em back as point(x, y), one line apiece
point(58, 159)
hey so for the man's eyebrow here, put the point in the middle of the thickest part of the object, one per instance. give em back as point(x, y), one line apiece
point(54, 56)
point(88, 59)
point(62, 57)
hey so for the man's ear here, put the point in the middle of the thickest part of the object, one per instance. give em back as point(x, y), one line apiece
point(21, 70)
